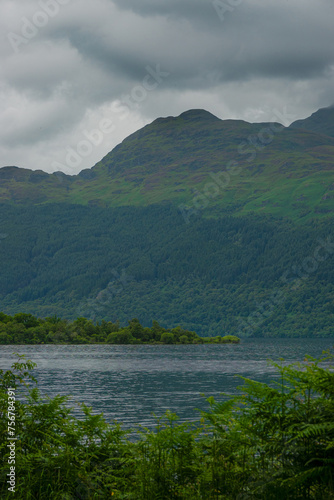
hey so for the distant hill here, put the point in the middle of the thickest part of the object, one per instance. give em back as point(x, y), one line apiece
point(221, 226)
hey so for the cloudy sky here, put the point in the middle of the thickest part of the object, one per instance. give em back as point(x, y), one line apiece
point(78, 76)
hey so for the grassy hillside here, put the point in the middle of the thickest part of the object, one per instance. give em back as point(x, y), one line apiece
point(202, 162)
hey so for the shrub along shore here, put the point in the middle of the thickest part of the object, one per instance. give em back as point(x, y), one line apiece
point(268, 442)
point(25, 328)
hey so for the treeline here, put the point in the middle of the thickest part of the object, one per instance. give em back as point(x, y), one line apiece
point(267, 442)
point(208, 275)
point(23, 328)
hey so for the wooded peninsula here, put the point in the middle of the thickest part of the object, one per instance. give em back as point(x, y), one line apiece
point(23, 328)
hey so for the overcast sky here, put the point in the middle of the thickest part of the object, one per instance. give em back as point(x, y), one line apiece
point(72, 67)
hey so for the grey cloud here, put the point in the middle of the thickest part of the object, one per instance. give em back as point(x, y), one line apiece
point(41, 71)
point(40, 121)
point(200, 12)
point(270, 41)
point(255, 40)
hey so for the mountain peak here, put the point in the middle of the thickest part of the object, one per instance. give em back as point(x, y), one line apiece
point(321, 122)
point(197, 114)
point(192, 115)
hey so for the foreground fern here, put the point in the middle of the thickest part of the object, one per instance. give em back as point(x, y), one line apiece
point(269, 442)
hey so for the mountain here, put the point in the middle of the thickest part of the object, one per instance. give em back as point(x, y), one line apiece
point(320, 122)
point(273, 169)
point(221, 226)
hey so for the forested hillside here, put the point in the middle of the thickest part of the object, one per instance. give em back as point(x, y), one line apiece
point(251, 275)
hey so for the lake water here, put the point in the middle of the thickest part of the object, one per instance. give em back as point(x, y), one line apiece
point(129, 383)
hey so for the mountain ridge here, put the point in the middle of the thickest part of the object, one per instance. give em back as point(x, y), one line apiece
point(173, 157)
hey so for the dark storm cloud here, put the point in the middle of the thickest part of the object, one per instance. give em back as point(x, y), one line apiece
point(289, 40)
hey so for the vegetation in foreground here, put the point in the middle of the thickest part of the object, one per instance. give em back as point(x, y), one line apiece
point(266, 443)
point(25, 328)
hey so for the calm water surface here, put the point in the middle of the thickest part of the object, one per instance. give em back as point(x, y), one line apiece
point(129, 383)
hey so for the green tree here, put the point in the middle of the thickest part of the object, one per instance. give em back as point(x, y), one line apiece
point(28, 320)
point(122, 337)
point(167, 338)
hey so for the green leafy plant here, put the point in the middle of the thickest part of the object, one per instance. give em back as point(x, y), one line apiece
point(268, 442)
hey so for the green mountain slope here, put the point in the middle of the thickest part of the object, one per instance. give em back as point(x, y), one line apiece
point(320, 122)
point(199, 161)
point(275, 170)
point(224, 227)
point(226, 275)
